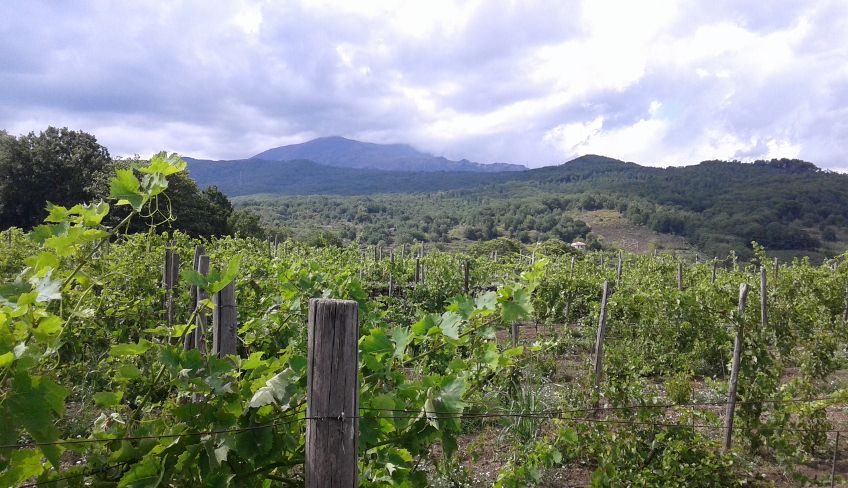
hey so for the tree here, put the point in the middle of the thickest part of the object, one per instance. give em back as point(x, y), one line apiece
point(60, 166)
point(245, 223)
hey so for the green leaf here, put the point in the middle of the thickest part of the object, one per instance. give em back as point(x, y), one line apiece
point(123, 350)
point(253, 362)
point(376, 342)
point(276, 390)
point(6, 359)
point(449, 323)
point(125, 188)
point(23, 465)
point(400, 336)
point(164, 164)
point(107, 399)
point(48, 328)
point(146, 474)
point(129, 371)
point(34, 403)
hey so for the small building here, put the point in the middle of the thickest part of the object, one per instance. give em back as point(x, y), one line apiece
point(579, 245)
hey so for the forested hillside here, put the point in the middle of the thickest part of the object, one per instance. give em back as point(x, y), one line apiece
point(786, 205)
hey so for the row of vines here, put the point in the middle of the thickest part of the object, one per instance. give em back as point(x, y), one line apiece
point(96, 388)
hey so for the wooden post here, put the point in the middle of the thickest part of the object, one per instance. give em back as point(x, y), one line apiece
point(9, 236)
point(833, 462)
point(713, 276)
point(465, 272)
point(332, 394)
point(599, 342)
point(763, 298)
point(201, 319)
point(734, 372)
point(169, 279)
point(680, 276)
point(845, 312)
point(190, 338)
point(571, 266)
point(618, 269)
point(417, 270)
point(513, 332)
point(776, 268)
point(224, 322)
point(391, 272)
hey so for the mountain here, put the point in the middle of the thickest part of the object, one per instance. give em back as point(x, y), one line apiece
point(347, 153)
point(303, 177)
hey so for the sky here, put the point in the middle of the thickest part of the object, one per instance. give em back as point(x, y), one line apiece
point(657, 82)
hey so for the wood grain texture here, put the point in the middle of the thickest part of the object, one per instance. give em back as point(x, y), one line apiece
point(332, 401)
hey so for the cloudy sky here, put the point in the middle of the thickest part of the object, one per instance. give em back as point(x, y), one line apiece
point(656, 82)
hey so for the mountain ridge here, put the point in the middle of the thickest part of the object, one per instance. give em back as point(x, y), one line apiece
point(341, 152)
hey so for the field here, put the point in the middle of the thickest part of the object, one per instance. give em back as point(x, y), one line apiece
point(508, 370)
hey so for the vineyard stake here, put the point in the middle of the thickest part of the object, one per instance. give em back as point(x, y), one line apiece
point(713, 276)
point(571, 266)
point(417, 270)
point(734, 372)
point(776, 268)
point(169, 279)
point(833, 463)
point(224, 318)
point(599, 342)
point(763, 298)
point(618, 269)
point(465, 272)
point(513, 332)
point(391, 272)
point(332, 392)
point(200, 320)
point(190, 339)
point(679, 276)
point(845, 312)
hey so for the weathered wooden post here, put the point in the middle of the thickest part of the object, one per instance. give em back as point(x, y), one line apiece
point(190, 338)
point(513, 333)
point(202, 317)
point(833, 461)
point(734, 371)
point(571, 266)
point(599, 342)
point(465, 272)
point(776, 267)
point(680, 276)
point(224, 322)
point(618, 269)
point(417, 270)
point(763, 298)
point(332, 394)
point(170, 276)
point(713, 276)
point(391, 272)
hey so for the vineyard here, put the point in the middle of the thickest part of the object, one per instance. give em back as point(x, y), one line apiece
point(151, 359)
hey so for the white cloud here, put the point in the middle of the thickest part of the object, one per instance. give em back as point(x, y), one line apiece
point(656, 82)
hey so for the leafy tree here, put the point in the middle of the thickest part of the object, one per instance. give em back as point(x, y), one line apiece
point(60, 166)
point(246, 224)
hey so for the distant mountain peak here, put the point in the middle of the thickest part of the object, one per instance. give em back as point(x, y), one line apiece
point(349, 153)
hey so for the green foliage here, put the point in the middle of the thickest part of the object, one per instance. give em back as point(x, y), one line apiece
point(57, 165)
point(85, 350)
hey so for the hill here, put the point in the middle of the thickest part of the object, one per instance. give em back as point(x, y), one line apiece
point(302, 177)
point(789, 206)
point(348, 153)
